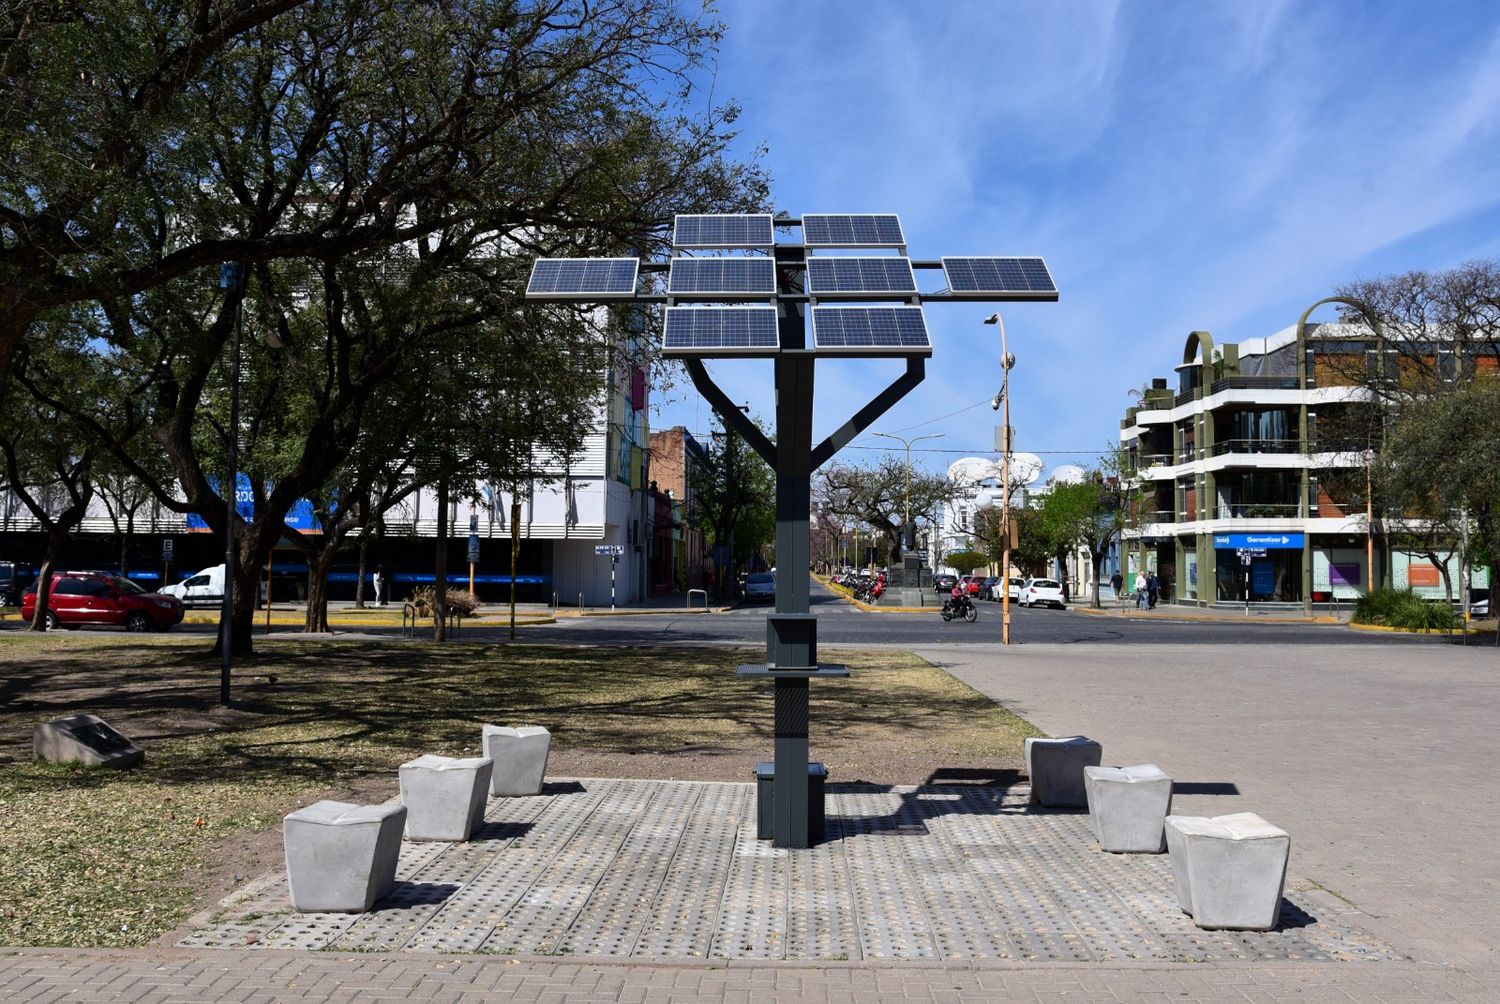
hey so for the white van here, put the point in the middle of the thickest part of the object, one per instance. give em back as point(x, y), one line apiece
point(201, 589)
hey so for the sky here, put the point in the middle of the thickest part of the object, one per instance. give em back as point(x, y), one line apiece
point(1180, 165)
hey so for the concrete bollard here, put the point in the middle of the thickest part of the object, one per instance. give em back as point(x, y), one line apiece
point(1230, 871)
point(444, 797)
point(1056, 770)
point(341, 858)
point(1129, 806)
point(520, 757)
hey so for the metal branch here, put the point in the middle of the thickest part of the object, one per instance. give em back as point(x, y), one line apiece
point(916, 368)
point(730, 412)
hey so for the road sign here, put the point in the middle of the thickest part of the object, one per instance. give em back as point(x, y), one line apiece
point(1276, 541)
point(473, 548)
point(473, 523)
point(166, 549)
point(610, 550)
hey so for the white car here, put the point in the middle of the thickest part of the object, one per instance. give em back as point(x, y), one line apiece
point(1043, 592)
point(1016, 585)
point(202, 589)
point(760, 586)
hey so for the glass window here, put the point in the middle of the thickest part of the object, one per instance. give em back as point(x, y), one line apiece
point(67, 587)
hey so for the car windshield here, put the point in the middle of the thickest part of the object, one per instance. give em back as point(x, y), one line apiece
point(761, 578)
point(125, 586)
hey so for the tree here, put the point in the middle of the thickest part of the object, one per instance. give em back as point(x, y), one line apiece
point(736, 495)
point(1090, 514)
point(381, 167)
point(876, 496)
point(964, 562)
point(1446, 455)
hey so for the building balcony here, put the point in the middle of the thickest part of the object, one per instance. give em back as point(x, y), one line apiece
point(1250, 446)
point(1258, 510)
point(1253, 383)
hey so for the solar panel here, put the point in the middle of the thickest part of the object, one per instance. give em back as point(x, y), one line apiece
point(870, 330)
point(722, 277)
point(740, 230)
point(846, 231)
point(1000, 276)
point(582, 278)
point(720, 331)
point(851, 276)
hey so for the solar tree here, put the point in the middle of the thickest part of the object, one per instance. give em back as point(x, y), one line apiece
point(734, 291)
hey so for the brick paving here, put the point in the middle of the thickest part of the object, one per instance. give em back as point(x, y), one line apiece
point(1376, 762)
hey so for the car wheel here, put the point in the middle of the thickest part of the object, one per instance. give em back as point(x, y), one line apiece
point(137, 622)
point(50, 622)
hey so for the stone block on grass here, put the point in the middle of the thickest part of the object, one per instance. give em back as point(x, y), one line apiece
point(1129, 806)
point(1230, 871)
point(520, 757)
point(340, 857)
point(86, 739)
point(444, 796)
point(1055, 767)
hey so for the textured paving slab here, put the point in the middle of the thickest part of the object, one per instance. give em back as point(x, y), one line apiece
point(672, 870)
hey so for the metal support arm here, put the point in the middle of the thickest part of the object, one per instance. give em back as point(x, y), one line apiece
point(730, 412)
point(916, 368)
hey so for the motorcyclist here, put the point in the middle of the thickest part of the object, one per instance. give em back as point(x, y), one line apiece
point(957, 597)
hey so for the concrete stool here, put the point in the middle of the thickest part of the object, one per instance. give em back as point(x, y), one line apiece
point(1229, 870)
point(444, 797)
point(1056, 770)
point(1129, 806)
point(520, 757)
point(341, 858)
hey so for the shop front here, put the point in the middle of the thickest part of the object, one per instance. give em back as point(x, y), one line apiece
point(1258, 567)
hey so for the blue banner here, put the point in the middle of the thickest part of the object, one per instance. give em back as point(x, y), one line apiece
point(1276, 541)
point(300, 518)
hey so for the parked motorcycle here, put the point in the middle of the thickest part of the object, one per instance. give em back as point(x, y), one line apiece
point(964, 608)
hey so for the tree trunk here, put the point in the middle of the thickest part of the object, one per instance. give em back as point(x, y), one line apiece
point(359, 580)
point(1098, 561)
point(317, 591)
point(440, 576)
point(43, 590)
point(515, 553)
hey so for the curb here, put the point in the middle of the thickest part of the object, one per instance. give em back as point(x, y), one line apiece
point(1185, 615)
point(1388, 629)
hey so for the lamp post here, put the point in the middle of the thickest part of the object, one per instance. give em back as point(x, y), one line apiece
point(907, 443)
point(1003, 398)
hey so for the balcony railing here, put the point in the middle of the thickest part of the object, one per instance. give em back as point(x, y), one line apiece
point(1254, 383)
point(1258, 510)
point(1187, 396)
point(1143, 516)
point(1338, 446)
point(1224, 446)
point(1146, 460)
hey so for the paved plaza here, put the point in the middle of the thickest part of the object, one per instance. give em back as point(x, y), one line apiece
point(673, 870)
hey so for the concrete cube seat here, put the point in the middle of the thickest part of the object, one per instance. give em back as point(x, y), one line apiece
point(520, 757)
point(1055, 767)
point(1129, 806)
point(444, 796)
point(1230, 870)
point(341, 858)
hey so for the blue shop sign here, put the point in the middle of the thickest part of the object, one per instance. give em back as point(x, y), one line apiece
point(1280, 541)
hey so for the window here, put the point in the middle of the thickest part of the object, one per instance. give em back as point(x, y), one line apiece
point(67, 587)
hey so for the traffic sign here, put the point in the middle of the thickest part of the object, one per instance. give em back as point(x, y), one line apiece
point(166, 549)
point(473, 548)
point(611, 550)
point(1277, 541)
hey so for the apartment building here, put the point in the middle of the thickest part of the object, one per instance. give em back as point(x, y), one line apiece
point(1252, 472)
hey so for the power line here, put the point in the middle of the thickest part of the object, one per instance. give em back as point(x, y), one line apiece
point(930, 421)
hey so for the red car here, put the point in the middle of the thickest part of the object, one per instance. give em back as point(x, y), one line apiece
point(80, 598)
point(971, 584)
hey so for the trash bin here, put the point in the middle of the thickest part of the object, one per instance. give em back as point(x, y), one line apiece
point(765, 792)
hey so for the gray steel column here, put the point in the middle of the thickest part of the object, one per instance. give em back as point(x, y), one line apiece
point(790, 788)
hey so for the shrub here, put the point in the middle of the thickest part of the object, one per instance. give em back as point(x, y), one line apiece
point(1402, 608)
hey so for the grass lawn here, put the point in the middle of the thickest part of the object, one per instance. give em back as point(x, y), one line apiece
point(94, 857)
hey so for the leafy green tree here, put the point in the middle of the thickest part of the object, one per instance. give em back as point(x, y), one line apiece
point(735, 492)
point(381, 166)
point(964, 562)
point(1090, 514)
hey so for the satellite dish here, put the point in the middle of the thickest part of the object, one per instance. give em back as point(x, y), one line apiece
point(1068, 474)
point(1025, 468)
point(972, 470)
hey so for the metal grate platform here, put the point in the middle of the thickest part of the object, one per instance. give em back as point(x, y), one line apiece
point(673, 870)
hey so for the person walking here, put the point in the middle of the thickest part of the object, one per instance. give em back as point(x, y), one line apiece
point(1117, 583)
point(1153, 589)
point(1140, 590)
point(379, 586)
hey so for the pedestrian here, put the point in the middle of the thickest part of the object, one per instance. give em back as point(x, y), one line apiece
point(1140, 590)
point(379, 585)
point(1153, 589)
point(1117, 583)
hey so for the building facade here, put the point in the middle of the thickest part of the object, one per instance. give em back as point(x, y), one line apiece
point(1252, 474)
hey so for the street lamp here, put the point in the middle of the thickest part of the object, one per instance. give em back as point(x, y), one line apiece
point(1002, 399)
point(232, 281)
point(907, 443)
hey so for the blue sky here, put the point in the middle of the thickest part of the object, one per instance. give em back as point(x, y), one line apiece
point(1180, 165)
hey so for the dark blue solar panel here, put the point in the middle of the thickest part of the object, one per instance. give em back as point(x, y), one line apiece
point(582, 277)
point(719, 330)
point(869, 330)
point(998, 275)
point(727, 276)
point(747, 230)
point(859, 275)
point(852, 231)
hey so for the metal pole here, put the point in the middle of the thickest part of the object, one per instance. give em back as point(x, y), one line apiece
point(1005, 486)
point(613, 561)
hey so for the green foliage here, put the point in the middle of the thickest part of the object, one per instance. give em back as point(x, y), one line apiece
point(735, 493)
point(965, 562)
point(1403, 608)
